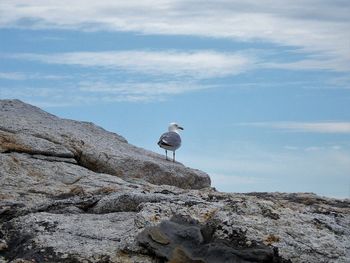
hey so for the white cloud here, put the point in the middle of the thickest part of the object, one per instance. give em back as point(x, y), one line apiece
point(316, 26)
point(330, 147)
point(323, 63)
point(166, 73)
point(90, 91)
point(40, 96)
point(343, 81)
point(12, 76)
point(27, 76)
point(336, 147)
point(313, 148)
point(291, 148)
point(196, 64)
point(316, 127)
point(143, 89)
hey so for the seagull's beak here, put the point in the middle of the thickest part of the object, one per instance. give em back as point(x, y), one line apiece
point(180, 128)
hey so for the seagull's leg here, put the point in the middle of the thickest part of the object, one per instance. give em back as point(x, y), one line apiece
point(173, 156)
point(166, 155)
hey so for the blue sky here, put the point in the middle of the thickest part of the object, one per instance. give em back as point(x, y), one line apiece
point(262, 88)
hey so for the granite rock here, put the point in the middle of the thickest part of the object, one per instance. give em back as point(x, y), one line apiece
point(73, 192)
point(27, 129)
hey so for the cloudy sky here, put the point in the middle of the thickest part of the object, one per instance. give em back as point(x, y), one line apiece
point(262, 88)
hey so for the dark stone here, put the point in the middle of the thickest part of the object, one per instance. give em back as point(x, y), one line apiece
point(268, 213)
point(189, 241)
point(10, 210)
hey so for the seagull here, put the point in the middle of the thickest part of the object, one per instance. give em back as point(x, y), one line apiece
point(171, 140)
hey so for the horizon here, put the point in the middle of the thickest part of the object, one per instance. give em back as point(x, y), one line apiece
point(262, 89)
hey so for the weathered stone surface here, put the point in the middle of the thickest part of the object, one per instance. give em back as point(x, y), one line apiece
point(54, 207)
point(95, 237)
point(28, 129)
point(101, 224)
point(24, 143)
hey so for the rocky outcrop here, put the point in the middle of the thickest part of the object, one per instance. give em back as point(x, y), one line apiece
point(73, 192)
point(27, 129)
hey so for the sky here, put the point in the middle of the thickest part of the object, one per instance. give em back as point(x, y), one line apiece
point(262, 88)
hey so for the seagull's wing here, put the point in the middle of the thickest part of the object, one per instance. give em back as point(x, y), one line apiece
point(170, 141)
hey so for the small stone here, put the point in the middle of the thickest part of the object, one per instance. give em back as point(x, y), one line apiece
point(64, 256)
point(3, 245)
point(77, 190)
point(158, 236)
point(270, 239)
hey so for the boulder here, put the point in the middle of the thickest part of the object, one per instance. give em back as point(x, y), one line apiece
point(28, 129)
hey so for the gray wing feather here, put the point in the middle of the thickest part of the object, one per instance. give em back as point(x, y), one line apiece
point(171, 140)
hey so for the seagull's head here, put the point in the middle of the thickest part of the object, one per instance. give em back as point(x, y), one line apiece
point(174, 127)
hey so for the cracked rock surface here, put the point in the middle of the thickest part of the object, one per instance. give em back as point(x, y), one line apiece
point(73, 192)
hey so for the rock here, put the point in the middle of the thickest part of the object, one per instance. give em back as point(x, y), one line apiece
point(184, 240)
point(3, 245)
point(73, 192)
point(93, 236)
point(28, 129)
point(24, 143)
